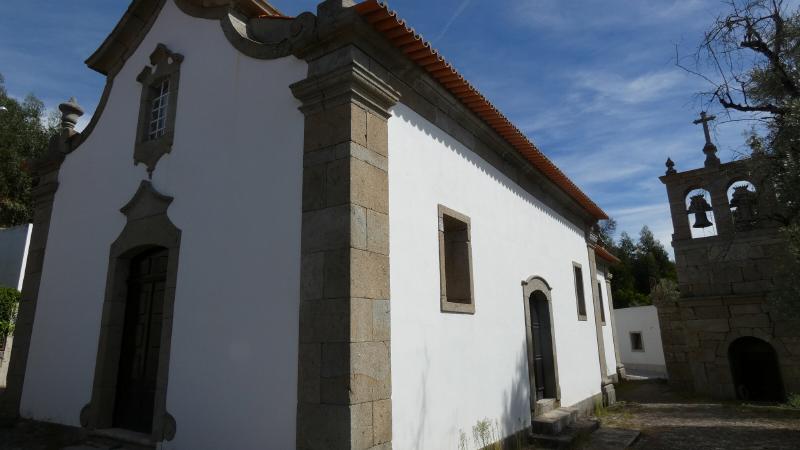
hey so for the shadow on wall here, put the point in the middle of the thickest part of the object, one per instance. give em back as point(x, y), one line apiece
point(484, 166)
point(517, 415)
point(423, 402)
point(488, 432)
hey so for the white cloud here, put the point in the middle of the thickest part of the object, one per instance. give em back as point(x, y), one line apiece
point(558, 15)
point(460, 10)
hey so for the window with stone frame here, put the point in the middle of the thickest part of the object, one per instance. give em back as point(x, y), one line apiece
point(580, 294)
point(602, 305)
point(158, 107)
point(455, 262)
point(637, 343)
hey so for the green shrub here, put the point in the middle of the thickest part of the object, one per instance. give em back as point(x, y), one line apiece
point(9, 304)
point(793, 401)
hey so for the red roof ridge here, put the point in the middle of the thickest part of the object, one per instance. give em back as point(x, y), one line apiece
point(421, 52)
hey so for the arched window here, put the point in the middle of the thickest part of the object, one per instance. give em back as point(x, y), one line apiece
point(701, 214)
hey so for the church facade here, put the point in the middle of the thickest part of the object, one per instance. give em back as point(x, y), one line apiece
point(305, 232)
point(723, 337)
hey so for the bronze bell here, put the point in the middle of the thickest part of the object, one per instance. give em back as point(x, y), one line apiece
point(700, 208)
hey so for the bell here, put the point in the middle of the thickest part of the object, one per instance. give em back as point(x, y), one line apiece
point(700, 208)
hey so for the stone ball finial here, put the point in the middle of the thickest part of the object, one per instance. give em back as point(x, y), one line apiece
point(670, 167)
point(71, 111)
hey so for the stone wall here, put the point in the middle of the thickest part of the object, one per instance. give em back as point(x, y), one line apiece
point(725, 282)
point(697, 334)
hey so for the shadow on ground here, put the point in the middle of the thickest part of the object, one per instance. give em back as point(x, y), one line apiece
point(669, 420)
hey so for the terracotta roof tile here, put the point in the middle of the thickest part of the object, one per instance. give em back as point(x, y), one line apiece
point(420, 51)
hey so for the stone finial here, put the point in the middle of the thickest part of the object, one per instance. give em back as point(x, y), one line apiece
point(670, 167)
point(71, 111)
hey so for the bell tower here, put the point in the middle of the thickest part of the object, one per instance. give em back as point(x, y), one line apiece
point(726, 249)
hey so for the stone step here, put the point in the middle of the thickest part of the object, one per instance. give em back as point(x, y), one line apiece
point(613, 439)
point(555, 421)
point(570, 437)
point(545, 405)
point(116, 438)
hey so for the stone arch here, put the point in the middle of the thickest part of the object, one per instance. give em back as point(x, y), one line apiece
point(755, 369)
point(148, 227)
point(704, 209)
point(537, 299)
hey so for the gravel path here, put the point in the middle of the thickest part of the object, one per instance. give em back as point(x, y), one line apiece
point(670, 421)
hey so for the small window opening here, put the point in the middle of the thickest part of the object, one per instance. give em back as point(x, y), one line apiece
point(701, 214)
point(579, 292)
point(158, 111)
point(455, 256)
point(637, 344)
point(602, 306)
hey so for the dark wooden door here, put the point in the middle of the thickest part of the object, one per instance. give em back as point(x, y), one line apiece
point(541, 334)
point(141, 342)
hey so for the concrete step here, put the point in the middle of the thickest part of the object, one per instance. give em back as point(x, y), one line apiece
point(555, 421)
point(571, 437)
point(612, 439)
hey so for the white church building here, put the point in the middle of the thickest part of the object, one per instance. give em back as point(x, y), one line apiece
point(302, 232)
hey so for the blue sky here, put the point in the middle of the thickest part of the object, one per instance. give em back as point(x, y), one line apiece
point(592, 82)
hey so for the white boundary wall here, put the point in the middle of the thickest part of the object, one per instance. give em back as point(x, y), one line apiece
point(643, 319)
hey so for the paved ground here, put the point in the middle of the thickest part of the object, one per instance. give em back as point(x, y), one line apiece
point(672, 422)
point(667, 421)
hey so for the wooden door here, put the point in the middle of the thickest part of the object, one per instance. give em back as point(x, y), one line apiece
point(141, 342)
point(541, 334)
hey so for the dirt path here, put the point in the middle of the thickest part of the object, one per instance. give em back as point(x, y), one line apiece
point(670, 421)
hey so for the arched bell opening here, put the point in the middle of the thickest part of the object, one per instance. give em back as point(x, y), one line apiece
point(743, 201)
point(702, 222)
point(755, 369)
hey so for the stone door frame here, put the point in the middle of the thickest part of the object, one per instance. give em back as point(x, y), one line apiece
point(148, 227)
point(529, 286)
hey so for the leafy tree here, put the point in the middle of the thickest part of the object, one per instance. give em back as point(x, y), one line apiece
point(751, 58)
point(23, 138)
point(643, 265)
point(9, 301)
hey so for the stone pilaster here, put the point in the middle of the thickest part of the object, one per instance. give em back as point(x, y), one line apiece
point(344, 386)
point(609, 396)
point(621, 375)
point(46, 185)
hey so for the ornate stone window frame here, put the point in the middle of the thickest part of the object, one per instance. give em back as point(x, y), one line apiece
point(446, 304)
point(148, 227)
point(580, 292)
point(164, 65)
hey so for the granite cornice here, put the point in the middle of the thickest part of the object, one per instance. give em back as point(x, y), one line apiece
point(351, 83)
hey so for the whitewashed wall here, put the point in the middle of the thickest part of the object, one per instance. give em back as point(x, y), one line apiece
point(608, 330)
point(642, 319)
point(235, 172)
point(14, 254)
point(449, 370)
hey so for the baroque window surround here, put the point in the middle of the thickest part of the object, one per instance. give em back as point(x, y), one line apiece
point(160, 82)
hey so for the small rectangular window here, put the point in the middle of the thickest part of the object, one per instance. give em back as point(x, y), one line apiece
point(602, 307)
point(158, 111)
point(455, 262)
point(637, 344)
point(579, 294)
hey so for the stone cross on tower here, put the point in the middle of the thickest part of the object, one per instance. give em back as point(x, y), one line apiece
point(709, 149)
